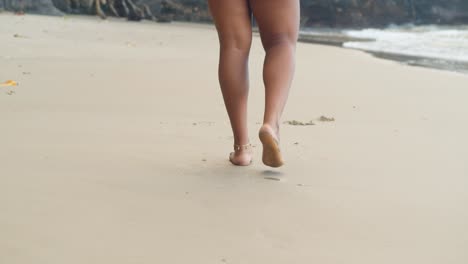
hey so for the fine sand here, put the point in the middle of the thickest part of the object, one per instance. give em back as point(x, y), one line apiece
point(114, 149)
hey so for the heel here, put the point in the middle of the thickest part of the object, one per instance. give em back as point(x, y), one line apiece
point(239, 148)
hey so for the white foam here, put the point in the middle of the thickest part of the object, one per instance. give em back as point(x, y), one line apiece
point(423, 41)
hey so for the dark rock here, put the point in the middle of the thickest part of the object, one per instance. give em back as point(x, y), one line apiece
point(44, 7)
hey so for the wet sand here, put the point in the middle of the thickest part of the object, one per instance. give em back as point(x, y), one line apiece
point(114, 149)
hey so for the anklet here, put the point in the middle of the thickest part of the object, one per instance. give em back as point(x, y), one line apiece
point(242, 147)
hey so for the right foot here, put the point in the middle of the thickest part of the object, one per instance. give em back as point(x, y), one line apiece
point(242, 155)
point(271, 152)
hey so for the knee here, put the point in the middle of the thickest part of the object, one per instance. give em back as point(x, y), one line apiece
point(271, 40)
point(235, 42)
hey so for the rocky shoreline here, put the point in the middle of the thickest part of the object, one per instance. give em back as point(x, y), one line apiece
point(316, 13)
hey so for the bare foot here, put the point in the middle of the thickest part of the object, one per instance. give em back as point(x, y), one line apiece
point(271, 151)
point(242, 155)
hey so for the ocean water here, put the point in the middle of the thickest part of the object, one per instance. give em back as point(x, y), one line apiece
point(435, 42)
point(442, 47)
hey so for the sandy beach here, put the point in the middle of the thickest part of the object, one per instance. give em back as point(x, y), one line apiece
point(114, 149)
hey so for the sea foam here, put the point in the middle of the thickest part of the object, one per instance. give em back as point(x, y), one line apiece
point(446, 43)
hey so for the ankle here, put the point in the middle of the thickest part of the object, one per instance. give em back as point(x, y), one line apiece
point(242, 148)
point(273, 126)
point(241, 143)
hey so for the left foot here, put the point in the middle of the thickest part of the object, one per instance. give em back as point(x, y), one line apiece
point(242, 155)
point(271, 151)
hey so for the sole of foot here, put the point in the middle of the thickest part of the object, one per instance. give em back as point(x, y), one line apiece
point(271, 151)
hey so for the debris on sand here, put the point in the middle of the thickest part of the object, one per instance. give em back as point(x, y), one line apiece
point(326, 119)
point(272, 178)
point(9, 83)
point(19, 36)
point(204, 123)
point(310, 123)
point(299, 123)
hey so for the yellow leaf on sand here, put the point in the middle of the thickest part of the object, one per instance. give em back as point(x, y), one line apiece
point(9, 83)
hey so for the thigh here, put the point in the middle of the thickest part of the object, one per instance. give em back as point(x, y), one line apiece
point(232, 20)
point(277, 19)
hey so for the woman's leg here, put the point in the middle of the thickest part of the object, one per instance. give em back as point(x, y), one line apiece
point(278, 22)
point(232, 20)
